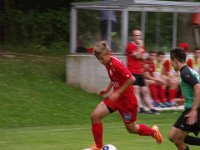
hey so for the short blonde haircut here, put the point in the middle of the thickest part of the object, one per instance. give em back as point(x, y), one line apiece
point(101, 47)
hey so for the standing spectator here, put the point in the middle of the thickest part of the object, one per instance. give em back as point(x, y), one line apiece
point(135, 56)
point(106, 17)
point(121, 99)
point(107, 26)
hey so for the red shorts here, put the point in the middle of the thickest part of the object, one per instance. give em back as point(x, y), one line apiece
point(126, 107)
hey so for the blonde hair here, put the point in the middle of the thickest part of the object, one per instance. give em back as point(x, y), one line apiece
point(101, 47)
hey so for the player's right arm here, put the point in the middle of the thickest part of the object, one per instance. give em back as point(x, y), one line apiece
point(105, 90)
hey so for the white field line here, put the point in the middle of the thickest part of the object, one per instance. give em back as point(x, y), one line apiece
point(68, 129)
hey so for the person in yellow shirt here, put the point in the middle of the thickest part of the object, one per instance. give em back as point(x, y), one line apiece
point(164, 70)
point(194, 62)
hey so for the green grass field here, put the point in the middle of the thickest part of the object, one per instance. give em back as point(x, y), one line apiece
point(38, 111)
point(76, 136)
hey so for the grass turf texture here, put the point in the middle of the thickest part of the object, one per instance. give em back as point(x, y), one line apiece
point(38, 111)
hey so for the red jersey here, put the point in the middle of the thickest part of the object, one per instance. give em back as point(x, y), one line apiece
point(119, 74)
point(190, 62)
point(166, 67)
point(134, 65)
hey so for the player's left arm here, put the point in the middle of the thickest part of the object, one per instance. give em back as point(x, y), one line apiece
point(129, 82)
point(105, 90)
point(196, 102)
point(192, 115)
point(116, 94)
point(125, 74)
point(191, 80)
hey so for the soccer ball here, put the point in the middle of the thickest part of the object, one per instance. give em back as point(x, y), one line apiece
point(109, 147)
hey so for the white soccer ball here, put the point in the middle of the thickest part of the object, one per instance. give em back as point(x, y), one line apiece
point(109, 147)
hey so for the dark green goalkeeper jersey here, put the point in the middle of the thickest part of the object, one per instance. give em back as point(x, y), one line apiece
point(189, 77)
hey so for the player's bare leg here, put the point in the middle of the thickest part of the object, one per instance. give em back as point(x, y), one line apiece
point(177, 136)
point(147, 98)
point(137, 91)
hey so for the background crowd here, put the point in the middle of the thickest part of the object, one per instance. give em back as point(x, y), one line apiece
point(157, 83)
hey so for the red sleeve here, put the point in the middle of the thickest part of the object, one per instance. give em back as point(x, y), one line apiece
point(131, 48)
point(189, 63)
point(167, 66)
point(90, 50)
point(146, 66)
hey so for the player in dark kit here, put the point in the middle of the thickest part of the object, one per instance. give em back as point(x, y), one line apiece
point(121, 99)
point(189, 120)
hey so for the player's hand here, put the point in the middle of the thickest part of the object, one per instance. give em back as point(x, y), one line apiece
point(102, 92)
point(140, 43)
point(114, 96)
point(159, 81)
point(192, 117)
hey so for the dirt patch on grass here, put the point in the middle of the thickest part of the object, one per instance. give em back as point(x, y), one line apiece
point(7, 54)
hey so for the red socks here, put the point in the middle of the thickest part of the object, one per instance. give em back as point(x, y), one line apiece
point(145, 130)
point(154, 92)
point(161, 91)
point(97, 130)
point(171, 94)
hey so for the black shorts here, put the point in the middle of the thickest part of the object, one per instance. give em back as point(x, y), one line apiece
point(139, 80)
point(181, 123)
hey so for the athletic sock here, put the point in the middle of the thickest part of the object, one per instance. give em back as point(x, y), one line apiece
point(192, 140)
point(161, 91)
point(172, 94)
point(145, 130)
point(97, 130)
point(154, 92)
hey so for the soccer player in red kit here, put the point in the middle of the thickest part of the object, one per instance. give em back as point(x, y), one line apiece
point(121, 99)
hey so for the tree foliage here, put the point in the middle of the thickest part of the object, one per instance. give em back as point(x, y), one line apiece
point(40, 23)
point(46, 23)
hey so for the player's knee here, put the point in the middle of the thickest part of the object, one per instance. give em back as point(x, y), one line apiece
point(132, 130)
point(172, 138)
point(94, 117)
